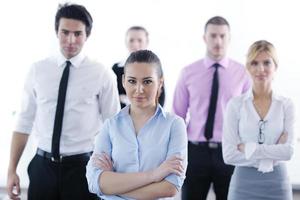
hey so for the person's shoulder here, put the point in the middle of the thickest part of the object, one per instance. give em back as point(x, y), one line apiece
point(235, 63)
point(237, 68)
point(237, 101)
point(98, 67)
point(114, 118)
point(175, 121)
point(44, 62)
point(92, 62)
point(193, 67)
point(283, 99)
point(169, 116)
point(239, 98)
point(119, 117)
point(196, 64)
point(286, 103)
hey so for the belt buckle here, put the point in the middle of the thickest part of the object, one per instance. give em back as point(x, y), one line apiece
point(213, 145)
point(195, 142)
point(57, 160)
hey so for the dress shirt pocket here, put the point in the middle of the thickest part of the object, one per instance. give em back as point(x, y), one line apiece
point(81, 95)
point(46, 94)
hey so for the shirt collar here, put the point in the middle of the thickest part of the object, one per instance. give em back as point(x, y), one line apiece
point(208, 62)
point(76, 60)
point(159, 110)
point(249, 95)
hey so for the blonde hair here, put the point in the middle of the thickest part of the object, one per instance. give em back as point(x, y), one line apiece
point(259, 47)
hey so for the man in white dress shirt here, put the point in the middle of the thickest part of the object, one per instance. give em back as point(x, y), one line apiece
point(66, 99)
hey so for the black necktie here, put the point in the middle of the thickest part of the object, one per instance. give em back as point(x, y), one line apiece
point(212, 105)
point(59, 114)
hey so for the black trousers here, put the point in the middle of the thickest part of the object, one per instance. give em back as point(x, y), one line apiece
point(57, 181)
point(206, 166)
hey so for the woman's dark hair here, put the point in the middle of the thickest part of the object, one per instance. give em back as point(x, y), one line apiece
point(74, 11)
point(145, 56)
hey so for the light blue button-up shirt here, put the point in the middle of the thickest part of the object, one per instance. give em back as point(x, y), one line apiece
point(163, 136)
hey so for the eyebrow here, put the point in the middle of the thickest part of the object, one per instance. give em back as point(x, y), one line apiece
point(148, 78)
point(66, 30)
point(268, 59)
point(143, 78)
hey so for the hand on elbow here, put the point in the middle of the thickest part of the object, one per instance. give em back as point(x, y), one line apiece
point(102, 161)
point(173, 165)
point(241, 147)
point(283, 138)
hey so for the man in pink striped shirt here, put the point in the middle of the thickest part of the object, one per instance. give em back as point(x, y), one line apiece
point(202, 92)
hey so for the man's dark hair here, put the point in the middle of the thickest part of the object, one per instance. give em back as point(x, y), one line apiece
point(138, 28)
point(216, 20)
point(74, 11)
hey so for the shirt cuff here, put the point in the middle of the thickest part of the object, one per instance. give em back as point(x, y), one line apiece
point(250, 148)
point(265, 166)
point(23, 129)
point(177, 181)
point(92, 176)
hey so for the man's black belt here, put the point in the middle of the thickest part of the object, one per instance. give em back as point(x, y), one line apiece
point(72, 158)
point(210, 145)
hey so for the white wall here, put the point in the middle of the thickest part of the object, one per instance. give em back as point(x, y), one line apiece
point(176, 29)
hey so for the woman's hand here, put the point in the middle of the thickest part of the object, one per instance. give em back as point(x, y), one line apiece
point(241, 147)
point(173, 165)
point(283, 138)
point(102, 161)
